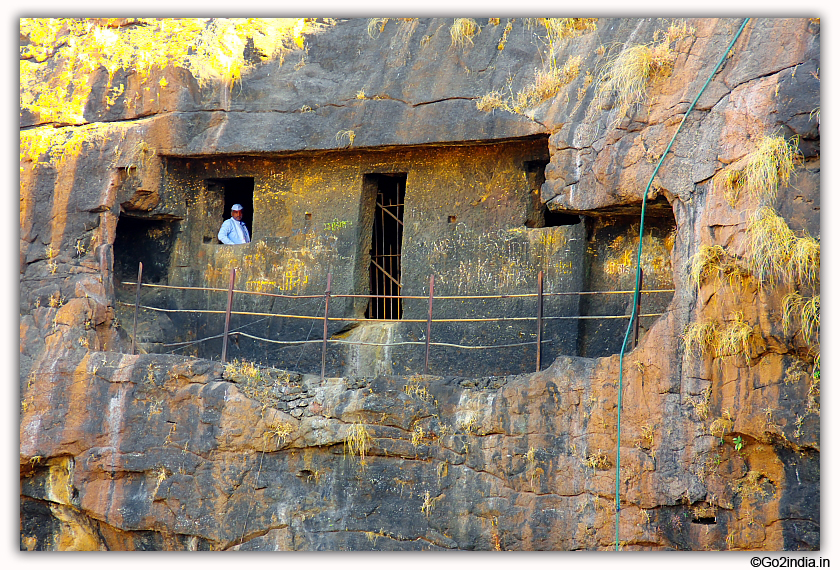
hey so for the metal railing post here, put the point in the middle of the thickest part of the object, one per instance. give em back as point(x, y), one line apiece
point(638, 302)
point(326, 321)
point(539, 318)
point(227, 314)
point(136, 305)
point(429, 321)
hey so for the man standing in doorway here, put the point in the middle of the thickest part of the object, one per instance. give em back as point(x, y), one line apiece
point(233, 229)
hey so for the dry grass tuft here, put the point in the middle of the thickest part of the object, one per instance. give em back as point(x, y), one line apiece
point(709, 260)
point(736, 338)
point(804, 311)
point(429, 503)
point(505, 32)
point(417, 435)
point(345, 138)
point(791, 306)
point(492, 100)
point(776, 254)
point(730, 181)
point(710, 338)
point(722, 425)
point(700, 338)
point(805, 260)
point(646, 440)
point(751, 487)
point(767, 168)
point(462, 31)
point(565, 28)
point(701, 406)
point(358, 441)
point(810, 319)
point(770, 241)
point(415, 389)
point(714, 261)
point(281, 430)
point(597, 461)
point(260, 384)
point(628, 75)
point(376, 26)
point(547, 83)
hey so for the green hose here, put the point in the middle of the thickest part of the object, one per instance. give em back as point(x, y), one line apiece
point(638, 276)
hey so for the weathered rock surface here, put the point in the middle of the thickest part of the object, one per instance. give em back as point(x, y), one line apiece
point(153, 451)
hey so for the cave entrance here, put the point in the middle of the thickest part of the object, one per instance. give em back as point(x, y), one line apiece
point(238, 190)
point(386, 245)
point(143, 240)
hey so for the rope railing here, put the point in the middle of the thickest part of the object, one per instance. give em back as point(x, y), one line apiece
point(437, 297)
point(365, 320)
point(540, 318)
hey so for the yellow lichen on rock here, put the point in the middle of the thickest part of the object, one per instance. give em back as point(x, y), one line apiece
point(61, 56)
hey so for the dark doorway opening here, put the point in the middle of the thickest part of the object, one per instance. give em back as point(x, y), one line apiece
point(238, 190)
point(143, 240)
point(386, 246)
point(553, 219)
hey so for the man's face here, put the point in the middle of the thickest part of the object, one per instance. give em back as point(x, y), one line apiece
point(237, 215)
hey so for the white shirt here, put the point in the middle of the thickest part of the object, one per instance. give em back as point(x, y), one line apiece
point(233, 232)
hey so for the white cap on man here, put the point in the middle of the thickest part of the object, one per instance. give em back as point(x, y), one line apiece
point(235, 207)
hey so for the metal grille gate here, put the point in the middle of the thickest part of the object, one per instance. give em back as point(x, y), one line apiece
point(386, 248)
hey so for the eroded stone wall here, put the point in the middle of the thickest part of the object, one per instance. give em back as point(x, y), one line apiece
point(467, 215)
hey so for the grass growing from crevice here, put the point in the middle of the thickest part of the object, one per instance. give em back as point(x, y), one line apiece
point(280, 430)
point(597, 461)
point(627, 75)
point(709, 260)
point(462, 32)
point(548, 81)
point(731, 338)
point(802, 315)
point(776, 254)
point(736, 337)
point(700, 338)
point(722, 425)
point(765, 170)
point(345, 138)
point(547, 84)
point(257, 383)
point(376, 26)
point(714, 262)
point(564, 28)
point(358, 441)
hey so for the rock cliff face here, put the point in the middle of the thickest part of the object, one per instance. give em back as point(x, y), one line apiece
point(719, 421)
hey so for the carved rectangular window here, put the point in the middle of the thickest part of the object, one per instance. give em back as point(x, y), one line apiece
point(386, 246)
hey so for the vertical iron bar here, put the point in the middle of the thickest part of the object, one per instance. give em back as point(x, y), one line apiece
point(386, 249)
point(136, 305)
point(391, 265)
point(326, 321)
point(429, 321)
point(400, 236)
point(539, 318)
point(638, 302)
point(227, 313)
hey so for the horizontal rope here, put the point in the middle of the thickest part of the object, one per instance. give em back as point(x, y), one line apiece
point(361, 320)
point(409, 342)
point(436, 297)
point(217, 289)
